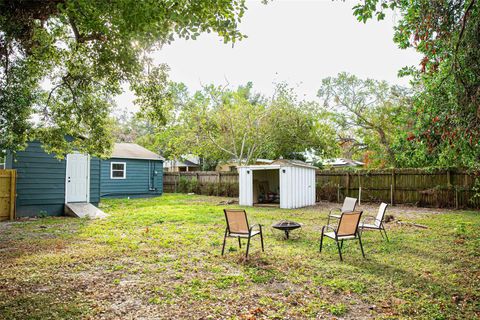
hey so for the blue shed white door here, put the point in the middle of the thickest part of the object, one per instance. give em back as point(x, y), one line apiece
point(77, 179)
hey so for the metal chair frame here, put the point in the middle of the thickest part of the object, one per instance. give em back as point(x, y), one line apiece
point(337, 238)
point(340, 210)
point(380, 227)
point(240, 235)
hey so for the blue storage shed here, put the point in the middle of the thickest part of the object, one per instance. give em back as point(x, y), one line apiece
point(45, 184)
point(132, 171)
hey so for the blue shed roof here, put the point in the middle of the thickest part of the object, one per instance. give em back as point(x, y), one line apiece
point(133, 151)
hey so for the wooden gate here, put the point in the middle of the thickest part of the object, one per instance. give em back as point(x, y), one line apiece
point(7, 194)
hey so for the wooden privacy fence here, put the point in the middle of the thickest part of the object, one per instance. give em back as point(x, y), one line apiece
point(202, 182)
point(424, 188)
point(7, 194)
point(440, 188)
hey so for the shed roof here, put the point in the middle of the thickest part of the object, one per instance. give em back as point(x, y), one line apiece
point(282, 163)
point(133, 151)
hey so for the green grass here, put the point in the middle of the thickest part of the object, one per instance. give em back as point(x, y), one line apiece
point(160, 258)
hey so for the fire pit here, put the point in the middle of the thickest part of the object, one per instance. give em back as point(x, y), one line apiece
point(287, 226)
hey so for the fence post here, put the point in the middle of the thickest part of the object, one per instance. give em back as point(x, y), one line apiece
point(199, 191)
point(338, 193)
point(456, 198)
point(13, 192)
point(218, 183)
point(392, 188)
point(359, 189)
point(359, 196)
point(175, 181)
point(347, 185)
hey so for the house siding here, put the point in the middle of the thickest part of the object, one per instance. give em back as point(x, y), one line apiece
point(95, 164)
point(41, 181)
point(137, 178)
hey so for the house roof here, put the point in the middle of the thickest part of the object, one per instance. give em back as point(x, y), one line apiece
point(188, 163)
point(342, 162)
point(184, 161)
point(133, 151)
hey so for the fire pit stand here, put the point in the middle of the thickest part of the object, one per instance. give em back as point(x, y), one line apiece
point(287, 226)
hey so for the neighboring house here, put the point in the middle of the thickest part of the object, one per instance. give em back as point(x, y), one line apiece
point(45, 184)
point(131, 171)
point(231, 166)
point(341, 163)
point(184, 164)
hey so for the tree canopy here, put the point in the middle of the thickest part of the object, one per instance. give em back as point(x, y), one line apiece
point(368, 115)
point(62, 61)
point(447, 108)
point(222, 124)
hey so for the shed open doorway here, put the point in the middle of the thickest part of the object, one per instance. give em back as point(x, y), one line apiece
point(288, 184)
point(266, 188)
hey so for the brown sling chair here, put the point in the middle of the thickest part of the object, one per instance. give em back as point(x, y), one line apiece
point(237, 227)
point(347, 229)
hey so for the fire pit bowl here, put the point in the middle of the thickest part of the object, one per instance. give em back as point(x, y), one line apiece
point(287, 226)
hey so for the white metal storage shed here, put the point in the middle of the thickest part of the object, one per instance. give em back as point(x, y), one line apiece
point(289, 183)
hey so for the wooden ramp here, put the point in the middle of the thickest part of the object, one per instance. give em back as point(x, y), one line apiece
point(84, 210)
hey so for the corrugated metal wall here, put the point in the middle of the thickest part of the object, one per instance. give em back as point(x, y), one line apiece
point(297, 187)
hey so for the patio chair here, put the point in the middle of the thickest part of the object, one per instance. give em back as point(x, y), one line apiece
point(347, 229)
point(349, 205)
point(377, 221)
point(237, 227)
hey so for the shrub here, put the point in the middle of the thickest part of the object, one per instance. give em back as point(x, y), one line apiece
point(186, 185)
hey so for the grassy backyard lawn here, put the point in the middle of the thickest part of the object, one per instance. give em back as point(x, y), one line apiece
point(159, 258)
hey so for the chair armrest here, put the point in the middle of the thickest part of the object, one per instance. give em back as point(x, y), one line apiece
point(329, 227)
point(368, 218)
point(335, 209)
point(255, 225)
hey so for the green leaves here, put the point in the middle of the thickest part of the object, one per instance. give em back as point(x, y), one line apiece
point(221, 124)
point(63, 61)
point(446, 34)
point(368, 116)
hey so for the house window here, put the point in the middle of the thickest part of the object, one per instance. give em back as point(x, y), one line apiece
point(118, 170)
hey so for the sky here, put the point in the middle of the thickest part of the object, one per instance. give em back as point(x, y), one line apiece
point(297, 41)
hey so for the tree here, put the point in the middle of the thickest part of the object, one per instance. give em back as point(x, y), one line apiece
point(227, 124)
point(130, 127)
point(62, 61)
point(296, 126)
point(221, 124)
point(368, 114)
point(447, 110)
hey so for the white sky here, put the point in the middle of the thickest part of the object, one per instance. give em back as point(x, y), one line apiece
point(297, 41)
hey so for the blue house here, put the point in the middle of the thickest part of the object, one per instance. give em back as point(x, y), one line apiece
point(132, 171)
point(45, 184)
